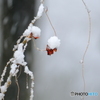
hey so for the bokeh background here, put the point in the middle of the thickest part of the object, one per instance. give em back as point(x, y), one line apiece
point(58, 75)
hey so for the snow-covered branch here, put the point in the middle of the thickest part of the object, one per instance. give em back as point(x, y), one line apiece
point(32, 32)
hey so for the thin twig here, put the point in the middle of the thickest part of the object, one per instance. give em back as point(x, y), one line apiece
point(46, 10)
point(20, 70)
point(26, 81)
point(37, 47)
point(18, 87)
point(88, 43)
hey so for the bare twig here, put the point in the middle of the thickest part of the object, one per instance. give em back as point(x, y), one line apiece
point(37, 47)
point(16, 80)
point(46, 10)
point(88, 43)
point(27, 81)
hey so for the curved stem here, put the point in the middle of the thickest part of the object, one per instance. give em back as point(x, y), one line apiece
point(88, 43)
point(37, 47)
point(50, 22)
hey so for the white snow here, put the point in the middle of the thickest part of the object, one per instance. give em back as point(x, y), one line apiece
point(3, 88)
point(27, 32)
point(27, 71)
point(13, 69)
point(32, 29)
point(18, 55)
point(2, 96)
point(30, 73)
point(3, 74)
point(54, 42)
point(40, 11)
point(36, 31)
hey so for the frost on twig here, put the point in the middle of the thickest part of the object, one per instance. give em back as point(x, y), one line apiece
point(32, 32)
point(39, 13)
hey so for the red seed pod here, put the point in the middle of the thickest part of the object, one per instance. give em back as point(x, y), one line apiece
point(50, 51)
point(31, 36)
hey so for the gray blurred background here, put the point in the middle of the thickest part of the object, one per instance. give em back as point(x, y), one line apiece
point(58, 75)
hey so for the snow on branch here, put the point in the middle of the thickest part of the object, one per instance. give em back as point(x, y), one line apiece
point(32, 32)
